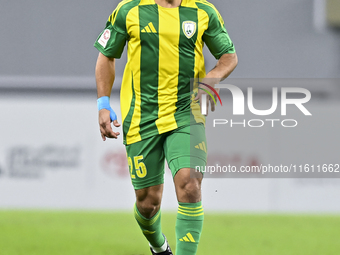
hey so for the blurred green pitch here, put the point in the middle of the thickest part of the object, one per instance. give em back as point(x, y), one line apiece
point(106, 233)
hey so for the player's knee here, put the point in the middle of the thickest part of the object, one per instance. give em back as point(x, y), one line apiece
point(190, 190)
point(147, 208)
point(192, 186)
point(148, 203)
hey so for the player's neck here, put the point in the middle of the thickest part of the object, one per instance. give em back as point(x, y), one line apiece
point(168, 3)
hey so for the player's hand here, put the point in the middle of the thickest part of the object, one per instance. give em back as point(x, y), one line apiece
point(212, 103)
point(105, 125)
point(209, 101)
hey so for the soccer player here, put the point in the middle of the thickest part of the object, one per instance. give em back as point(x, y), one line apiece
point(165, 41)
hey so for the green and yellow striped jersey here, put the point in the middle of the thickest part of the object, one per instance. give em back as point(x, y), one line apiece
point(165, 51)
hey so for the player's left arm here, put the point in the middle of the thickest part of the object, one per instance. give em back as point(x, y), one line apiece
point(224, 67)
point(222, 48)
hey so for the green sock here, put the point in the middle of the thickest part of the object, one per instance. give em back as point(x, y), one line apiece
point(188, 227)
point(151, 228)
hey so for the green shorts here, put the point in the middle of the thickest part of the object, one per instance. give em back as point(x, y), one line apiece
point(184, 147)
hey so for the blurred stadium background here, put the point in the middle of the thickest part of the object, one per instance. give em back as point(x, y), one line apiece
point(53, 162)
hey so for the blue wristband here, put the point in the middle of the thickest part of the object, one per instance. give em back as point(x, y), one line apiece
point(104, 103)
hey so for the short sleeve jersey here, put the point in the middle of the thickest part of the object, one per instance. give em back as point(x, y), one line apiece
point(165, 51)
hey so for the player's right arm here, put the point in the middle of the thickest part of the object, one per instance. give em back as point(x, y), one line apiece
point(105, 76)
point(111, 44)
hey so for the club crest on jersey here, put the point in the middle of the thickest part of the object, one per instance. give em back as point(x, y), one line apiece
point(189, 28)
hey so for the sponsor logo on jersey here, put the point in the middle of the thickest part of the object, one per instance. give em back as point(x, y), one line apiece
point(149, 29)
point(105, 37)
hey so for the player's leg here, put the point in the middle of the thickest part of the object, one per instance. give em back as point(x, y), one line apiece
point(183, 158)
point(148, 215)
point(146, 165)
point(148, 200)
point(190, 213)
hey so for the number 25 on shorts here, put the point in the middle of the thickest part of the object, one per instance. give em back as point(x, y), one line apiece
point(140, 167)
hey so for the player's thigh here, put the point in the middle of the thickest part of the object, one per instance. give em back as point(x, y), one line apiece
point(186, 147)
point(146, 162)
